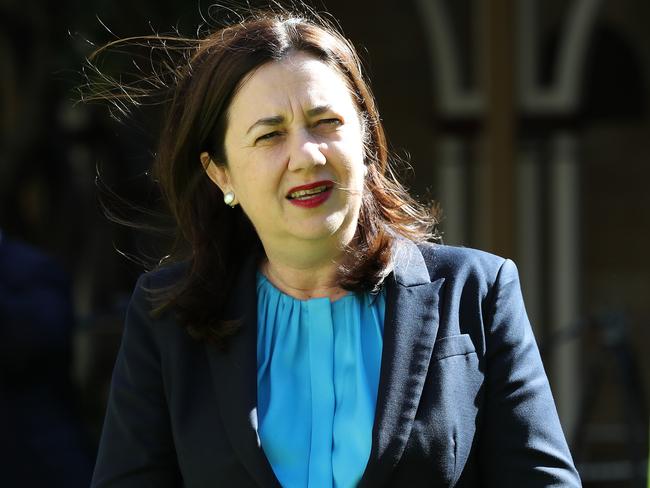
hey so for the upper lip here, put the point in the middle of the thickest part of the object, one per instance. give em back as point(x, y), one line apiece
point(309, 186)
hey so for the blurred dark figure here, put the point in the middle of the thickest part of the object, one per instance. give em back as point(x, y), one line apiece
point(41, 441)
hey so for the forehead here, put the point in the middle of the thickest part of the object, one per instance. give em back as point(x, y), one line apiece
point(295, 83)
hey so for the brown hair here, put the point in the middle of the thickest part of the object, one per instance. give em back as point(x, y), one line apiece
point(220, 238)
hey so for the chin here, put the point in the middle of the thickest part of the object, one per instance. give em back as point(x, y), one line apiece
point(325, 228)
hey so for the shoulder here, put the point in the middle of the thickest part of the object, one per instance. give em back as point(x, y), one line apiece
point(464, 264)
point(480, 296)
point(154, 285)
point(150, 292)
point(165, 276)
point(472, 279)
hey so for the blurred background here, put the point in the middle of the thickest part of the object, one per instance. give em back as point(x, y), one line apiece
point(527, 120)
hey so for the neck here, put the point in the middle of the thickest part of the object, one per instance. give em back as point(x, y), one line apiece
point(303, 279)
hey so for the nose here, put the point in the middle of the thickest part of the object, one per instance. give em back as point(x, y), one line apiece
point(305, 152)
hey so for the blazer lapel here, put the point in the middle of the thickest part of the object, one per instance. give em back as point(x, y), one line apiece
point(410, 329)
point(234, 374)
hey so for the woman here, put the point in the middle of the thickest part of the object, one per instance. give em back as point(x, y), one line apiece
point(314, 337)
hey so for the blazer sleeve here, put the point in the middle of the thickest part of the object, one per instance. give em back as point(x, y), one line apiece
point(522, 440)
point(136, 447)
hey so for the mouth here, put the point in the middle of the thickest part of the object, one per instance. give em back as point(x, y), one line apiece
point(307, 191)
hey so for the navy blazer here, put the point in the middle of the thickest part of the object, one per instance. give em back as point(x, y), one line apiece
point(463, 398)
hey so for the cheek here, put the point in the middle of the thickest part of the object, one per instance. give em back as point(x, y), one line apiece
point(351, 158)
point(356, 146)
point(256, 187)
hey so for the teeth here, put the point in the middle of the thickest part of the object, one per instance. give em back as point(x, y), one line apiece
point(311, 191)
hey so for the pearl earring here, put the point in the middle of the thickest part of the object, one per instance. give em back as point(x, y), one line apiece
point(229, 198)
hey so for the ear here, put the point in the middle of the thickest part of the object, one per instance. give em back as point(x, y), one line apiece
point(216, 172)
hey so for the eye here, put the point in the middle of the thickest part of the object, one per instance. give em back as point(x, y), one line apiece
point(327, 122)
point(268, 136)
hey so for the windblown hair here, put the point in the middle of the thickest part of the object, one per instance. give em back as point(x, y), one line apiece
point(220, 239)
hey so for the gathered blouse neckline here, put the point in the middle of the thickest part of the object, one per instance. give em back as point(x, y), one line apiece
point(262, 276)
point(318, 364)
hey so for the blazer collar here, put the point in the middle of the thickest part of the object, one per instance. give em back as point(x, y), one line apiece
point(410, 329)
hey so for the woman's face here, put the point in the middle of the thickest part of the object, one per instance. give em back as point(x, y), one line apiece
point(294, 148)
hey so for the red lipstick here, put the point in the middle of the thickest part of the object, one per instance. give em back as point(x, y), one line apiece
point(310, 195)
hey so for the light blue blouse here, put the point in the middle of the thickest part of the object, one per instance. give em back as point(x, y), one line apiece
point(317, 378)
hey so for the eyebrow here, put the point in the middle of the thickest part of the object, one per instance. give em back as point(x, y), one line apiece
point(279, 119)
point(312, 112)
